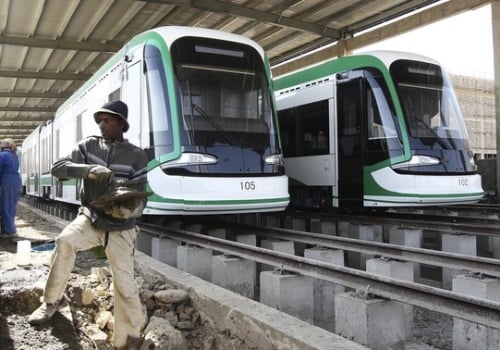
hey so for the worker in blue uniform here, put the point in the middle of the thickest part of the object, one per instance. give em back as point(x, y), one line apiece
point(10, 187)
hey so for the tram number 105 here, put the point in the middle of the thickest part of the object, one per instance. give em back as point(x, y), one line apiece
point(463, 182)
point(247, 185)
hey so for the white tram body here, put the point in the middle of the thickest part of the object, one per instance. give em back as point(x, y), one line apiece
point(381, 129)
point(200, 104)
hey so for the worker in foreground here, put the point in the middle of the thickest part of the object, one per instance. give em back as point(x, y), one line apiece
point(113, 196)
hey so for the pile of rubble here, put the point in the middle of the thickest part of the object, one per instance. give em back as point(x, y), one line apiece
point(169, 317)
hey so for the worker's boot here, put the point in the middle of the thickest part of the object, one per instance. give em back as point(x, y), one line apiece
point(46, 311)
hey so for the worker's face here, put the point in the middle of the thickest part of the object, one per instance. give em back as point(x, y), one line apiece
point(111, 126)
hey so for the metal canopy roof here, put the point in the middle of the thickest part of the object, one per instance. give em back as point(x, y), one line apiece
point(48, 48)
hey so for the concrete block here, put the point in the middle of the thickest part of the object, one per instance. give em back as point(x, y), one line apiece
point(408, 238)
point(331, 256)
point(472, 336)
point(469, 335)
point(195, 260)
point(249, 218)
point(249, 239)
point(287, 247)
point(220, 233)
point(293, 223)
point(235, 274)
point(143, 243)
point(402, 270)
point(495, 247)
point(217, 233)
point(165, 250)
point(375, 323)
point(344, 228)
point(271, 220)
point(362, 232)
point(298, 224)
point(456, 243)
point(279, 246)
point(288, 292)
point(324, 292)
point(477, 286)
point(324, 227)
point(198, 228)
point(176, 224)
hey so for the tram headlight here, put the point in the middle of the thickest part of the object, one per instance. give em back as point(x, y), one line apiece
point(417, 160)
point(472, 163)
point(191, 159)
point(274, 159)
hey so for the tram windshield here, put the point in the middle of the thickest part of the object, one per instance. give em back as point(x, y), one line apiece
point(429, 104)
point(225, 94)
point(436, 128)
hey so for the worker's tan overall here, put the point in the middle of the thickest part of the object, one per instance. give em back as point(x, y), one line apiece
point(80, 235)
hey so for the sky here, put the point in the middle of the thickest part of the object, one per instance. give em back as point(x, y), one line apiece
point(463, 44)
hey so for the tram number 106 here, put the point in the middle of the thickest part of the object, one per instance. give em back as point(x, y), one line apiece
point(247, 185)
point(463, 182)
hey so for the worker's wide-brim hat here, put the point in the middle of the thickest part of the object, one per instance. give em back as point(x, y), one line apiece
point(117, 108)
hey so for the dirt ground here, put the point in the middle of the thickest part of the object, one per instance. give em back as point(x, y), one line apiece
point(79, 326)
point(21, 287)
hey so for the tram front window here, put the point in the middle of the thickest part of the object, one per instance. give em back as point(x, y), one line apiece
point(226, 103)
point(429, 104)
point(437, 133)
point(225, 96)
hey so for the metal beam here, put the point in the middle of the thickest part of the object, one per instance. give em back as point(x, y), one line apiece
point(110, 46)
point(44, 75)
point(388, 15)
point(18, 125)
point(48, 94)
point(27, 109)
point(17, 128)
point(260, 16)
point(399, 27)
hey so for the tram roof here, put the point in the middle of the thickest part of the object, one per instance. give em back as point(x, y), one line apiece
point(49, 48)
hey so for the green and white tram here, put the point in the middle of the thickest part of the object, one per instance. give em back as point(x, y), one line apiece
point(200, 104)
point(380, 129)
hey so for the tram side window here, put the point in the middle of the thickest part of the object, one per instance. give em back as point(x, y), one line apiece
point(45, 147)
point(158, 100)
point(304, 129)
point(382, 130)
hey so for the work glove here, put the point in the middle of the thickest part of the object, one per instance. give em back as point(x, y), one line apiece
point(129, 209)
point(100, 174)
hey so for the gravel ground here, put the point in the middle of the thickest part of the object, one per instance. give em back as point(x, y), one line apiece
point(21, 287)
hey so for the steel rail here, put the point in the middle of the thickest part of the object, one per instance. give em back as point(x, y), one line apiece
point(471, 263)
point(421, 222)
point(481, 311)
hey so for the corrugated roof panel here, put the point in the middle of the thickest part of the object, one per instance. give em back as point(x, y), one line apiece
point(285, 28)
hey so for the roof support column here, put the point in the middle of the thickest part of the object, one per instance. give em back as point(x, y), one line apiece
point(495, 18)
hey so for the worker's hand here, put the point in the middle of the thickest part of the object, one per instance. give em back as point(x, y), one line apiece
point(100, 174)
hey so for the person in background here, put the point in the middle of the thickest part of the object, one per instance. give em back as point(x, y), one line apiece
point(10, 187)
point(109, 166)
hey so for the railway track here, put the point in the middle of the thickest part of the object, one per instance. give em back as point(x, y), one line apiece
point(477, 310)
point(436, 220)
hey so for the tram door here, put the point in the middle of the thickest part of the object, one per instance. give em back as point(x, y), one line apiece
point(350, 139)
